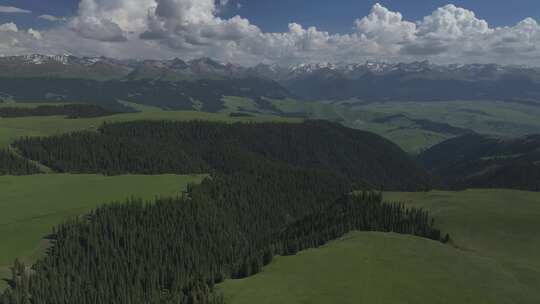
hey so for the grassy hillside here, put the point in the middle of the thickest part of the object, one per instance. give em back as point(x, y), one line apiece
point(489, 117)
point(29, 104)
point(376, 268)
point(416, 126)
point(479, 161)
point(239, 104)
point(205, 94)
point(495, 259)
point(32, 205)
point(14, 128)
point(501, 225)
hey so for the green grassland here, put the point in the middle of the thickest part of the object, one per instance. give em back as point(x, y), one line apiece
point(140, 107)
point(14, 128)
point(29, 104)
point(30, 206)
point(501, 225)
point(239, 104)
point(406, 134)
point(494, 258)
point(489, 117)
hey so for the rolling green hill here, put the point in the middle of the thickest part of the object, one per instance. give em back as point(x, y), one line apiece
point(68, 110)
point(494, 258)
point(265, 177)
point(182, 95)
point(366, 159)
point(479, 161)
point(416, 126)
point(32, 205)
point(498, 224)
point(376, 268)
point(14, 128)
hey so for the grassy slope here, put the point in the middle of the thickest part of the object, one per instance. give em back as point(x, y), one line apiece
point(13, 128)
point(29, 104)
point(491, 117)
point(32, 205)
point(498, 118)
point(408, 137)
point(499, 224)
point(498, 260)
point(239, 104)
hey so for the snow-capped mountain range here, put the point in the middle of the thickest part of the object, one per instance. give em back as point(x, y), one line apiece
point(274, 71)
point(335, 81)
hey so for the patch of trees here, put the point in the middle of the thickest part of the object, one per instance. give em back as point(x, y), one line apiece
point(368, 160)
point(479, 161)
point(240, 114)
point(69, 110)
point(275, 189)
point(361, 212)
point(11, 164)
point(425, 124)
point(175, 249)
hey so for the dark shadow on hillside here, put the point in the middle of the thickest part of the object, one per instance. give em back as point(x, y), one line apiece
point(10, 282)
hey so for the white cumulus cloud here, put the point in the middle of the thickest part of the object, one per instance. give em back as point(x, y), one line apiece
point(52, 18)
point(195, 28)
point(98, 29)
point(36, 34)
point(9, 27)
point(13, 10)
point(385, 26)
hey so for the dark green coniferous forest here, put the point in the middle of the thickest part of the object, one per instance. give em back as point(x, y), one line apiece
point(272, 189)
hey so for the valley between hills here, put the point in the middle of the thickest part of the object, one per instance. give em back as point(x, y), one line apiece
point(246, 191)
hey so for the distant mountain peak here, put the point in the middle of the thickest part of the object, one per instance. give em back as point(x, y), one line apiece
point(41, 59)
point(370, 80)
point(309, 67)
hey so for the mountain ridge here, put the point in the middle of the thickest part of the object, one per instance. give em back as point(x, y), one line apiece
point(176, 81)
point(273, 71)
point(483, 161)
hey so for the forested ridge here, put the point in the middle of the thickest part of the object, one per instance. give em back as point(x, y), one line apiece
point(69, 110)
point(273, 189)
point(12, 164)
point(203, 147)
point(176, 249)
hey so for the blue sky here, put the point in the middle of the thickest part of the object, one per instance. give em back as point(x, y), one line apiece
point(278, 31)
point(337, 15)
point(334, 16)
point(38, 7)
